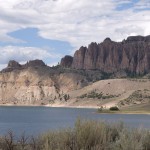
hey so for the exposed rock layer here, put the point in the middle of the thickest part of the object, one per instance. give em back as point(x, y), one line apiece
point(132, 55)
point(35, 83)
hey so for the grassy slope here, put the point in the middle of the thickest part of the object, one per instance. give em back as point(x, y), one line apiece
point(123, 87)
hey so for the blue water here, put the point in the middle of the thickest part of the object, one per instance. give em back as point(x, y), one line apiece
point(36, 120)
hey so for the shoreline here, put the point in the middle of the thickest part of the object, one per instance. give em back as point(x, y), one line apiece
point(127, 112)
point(80, 107)
point(50, 106)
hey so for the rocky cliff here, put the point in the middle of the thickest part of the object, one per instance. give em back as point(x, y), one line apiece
point(35, 83)
point(131, 55)
point(67, 61)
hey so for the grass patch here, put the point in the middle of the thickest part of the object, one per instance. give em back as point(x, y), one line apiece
point(113, 109)
point(123, 111)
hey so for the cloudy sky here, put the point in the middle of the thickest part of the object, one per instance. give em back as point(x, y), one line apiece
point(50, 29)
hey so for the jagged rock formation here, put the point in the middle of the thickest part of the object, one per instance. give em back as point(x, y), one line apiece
point(14, 65)
point(34, 63)
point(67, 61)
point(132, 55)
point(35, 83)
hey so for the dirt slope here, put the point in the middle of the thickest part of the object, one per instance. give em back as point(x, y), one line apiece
point(112, 92)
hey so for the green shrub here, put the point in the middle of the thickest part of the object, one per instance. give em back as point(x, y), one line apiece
point(94, 94)
point(100, 109)
point(114, 108)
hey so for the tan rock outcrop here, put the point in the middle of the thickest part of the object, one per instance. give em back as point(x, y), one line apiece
point(35, 83)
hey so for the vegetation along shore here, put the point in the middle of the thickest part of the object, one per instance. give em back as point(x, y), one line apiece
point(85, 135)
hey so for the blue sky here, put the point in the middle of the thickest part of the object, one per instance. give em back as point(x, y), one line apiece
point(30, 38)
point(48, 30)
point(127, 5)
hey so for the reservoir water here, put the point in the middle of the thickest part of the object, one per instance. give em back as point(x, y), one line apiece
point(36, 120)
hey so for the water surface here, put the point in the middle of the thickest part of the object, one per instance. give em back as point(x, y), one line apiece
point(36, 120)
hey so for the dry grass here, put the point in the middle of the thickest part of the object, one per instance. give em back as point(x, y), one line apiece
point(121, 89)
point(86, 135)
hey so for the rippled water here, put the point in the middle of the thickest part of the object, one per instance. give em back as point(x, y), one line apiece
point(36, 120)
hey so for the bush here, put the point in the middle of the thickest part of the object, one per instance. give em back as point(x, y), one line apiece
point(100, 109)
point(86, 135)
point(114, 108)
point(94, 94)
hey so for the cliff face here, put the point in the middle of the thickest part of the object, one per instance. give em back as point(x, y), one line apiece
point(132, 54)
point(67, 61)
point(35, 83)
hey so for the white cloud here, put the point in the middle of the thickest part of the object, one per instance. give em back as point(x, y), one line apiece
point(52, 64)
point(2, 66)
point(21, 54)
point(78, 22)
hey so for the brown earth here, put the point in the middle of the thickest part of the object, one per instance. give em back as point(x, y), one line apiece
point(114, 91)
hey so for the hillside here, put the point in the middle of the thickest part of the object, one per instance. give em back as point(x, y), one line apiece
point(121, 92)
point(36, 83)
